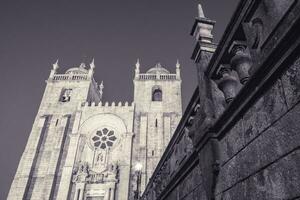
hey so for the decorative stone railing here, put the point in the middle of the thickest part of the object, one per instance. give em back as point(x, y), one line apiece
point(225, 145)
point(70, 77)
point(157, 76)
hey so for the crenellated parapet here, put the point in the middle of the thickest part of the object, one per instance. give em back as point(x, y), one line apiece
point(106, 106)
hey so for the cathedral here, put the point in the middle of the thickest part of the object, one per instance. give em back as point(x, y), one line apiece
point(82, 148)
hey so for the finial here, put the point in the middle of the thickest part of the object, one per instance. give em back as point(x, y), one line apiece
point(200, 11)
point(92, 64)
point(158, 65)
point(101, 86)
point(137, 68)
point(177, 64)
point(202, 29)
point(82, 66)
point(177, 69)
point(137, 65)
point(55, 65)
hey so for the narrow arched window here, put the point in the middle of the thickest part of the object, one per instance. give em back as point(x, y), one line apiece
point(156, 94)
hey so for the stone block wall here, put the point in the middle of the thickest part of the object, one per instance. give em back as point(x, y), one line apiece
point(260, 154)
point(244, 120)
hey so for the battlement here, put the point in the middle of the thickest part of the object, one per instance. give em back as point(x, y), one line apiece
point(106, 105)
point(157, 77)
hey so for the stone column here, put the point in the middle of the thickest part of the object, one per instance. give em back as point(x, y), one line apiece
point(50, 180)
point(201, 122)
point(125, 166)
point(79, 191)
point(112, 191)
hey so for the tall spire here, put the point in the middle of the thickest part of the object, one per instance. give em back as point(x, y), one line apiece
point(101, 86)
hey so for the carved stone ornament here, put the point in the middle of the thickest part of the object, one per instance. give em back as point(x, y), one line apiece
point(81, 172)
point(227, 83)
point(241, 60)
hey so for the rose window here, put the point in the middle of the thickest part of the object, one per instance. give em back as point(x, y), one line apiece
point(104, 138)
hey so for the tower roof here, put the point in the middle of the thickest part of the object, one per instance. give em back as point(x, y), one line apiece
point(158, 69)
point(78, 70)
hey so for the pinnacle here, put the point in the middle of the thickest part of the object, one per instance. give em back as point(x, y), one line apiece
point(200, 11)
point(177, 64)
point(137, 65)
point(82, 66)
point(92, 64)
point(55, 65)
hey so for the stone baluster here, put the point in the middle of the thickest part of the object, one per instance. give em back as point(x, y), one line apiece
point(227, 83)
point(241, 60)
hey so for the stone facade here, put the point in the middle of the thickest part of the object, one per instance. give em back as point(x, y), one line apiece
point(80, 148)
point(239, 137)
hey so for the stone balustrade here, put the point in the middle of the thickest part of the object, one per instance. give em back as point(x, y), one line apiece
point(70, 77)
point(157, 76)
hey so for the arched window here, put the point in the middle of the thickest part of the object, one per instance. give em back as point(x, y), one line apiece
point(65, 95)
point(156, 94)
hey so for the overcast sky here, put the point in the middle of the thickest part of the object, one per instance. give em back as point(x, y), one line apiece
point(33, 34)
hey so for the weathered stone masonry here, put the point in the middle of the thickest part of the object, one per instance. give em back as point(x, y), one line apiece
point(239, 136)
point(80, 148)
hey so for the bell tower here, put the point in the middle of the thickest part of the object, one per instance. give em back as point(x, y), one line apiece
point(157, 97)
point(41, 166)
point(82, 148)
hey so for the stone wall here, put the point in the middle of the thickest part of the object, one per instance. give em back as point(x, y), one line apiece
point(154, 121)
point(239, 137)
point(41, 166)
point(260, 154)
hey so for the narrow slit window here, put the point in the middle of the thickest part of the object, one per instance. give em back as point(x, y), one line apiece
point(156, 123)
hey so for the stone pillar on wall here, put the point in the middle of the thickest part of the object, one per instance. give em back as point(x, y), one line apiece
point(64, 186)
point(21, 182)
point(202, 54)
point(205, 114)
